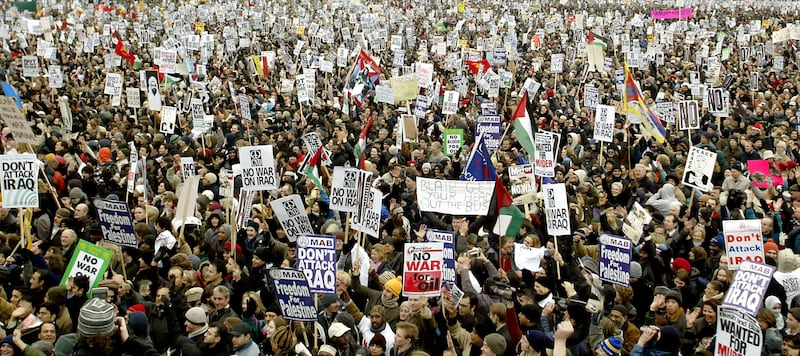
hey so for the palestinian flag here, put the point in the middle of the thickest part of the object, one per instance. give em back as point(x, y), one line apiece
point(312, 169)
point(510, 218)
point(362, 143)
point(522, 125)
point(597, 40)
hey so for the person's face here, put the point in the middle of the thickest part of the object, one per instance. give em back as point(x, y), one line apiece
point(139, 214)
point(45, 315)
point(405, 311)
point(81, 211)
point(271, 328)
point(375, 350)
point(36, 281)
point(211, 273)
point(220, 300)
point(709, 314)
point(670, 223)
point(6, 350)
point(617, 318)
point(377, 320)
point(15, 297)
point(240, 340)
point(211, 336)
point(486, 351)
point(258, 262)
point(401, 339)
point(48, 332)
point(672, 306)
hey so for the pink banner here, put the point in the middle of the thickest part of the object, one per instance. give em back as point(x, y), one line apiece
point(684, 13)
point(762, 166)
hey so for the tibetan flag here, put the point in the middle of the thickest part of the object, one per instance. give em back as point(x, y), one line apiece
point(123, 52)
point(479, 165)
point(522, 125)
point(362, 78)
point(481, 66)
point(636, 106)
point(361, 146)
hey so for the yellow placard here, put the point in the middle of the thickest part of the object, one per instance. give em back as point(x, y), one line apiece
point(404, 87)
point(199, 27)
point(461, 7)
point(301, 30)
point(462, 44)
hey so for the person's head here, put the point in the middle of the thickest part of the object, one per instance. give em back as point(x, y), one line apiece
point(497, 313)
point(713, 288)
point(196, 319)
point(766, 319)
point(274, 324)
point(48, 312)
point(377, 346)
point(96, 322)
point(339, 334)
point(405, 310)
point(493, 345)
point(220, 297)
point(215, 334)
point(609, 347)
point(405, 334)
point(466, 306)
point(618, 315)
point(377, 316)
point(240, 335)
point(215, 271)
point(47, 332)
point(710, 311)
point(68, 238)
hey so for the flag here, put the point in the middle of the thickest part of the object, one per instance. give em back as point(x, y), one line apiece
point(635, 105)
point(264, 64)
point(597, 40)
point(522, 125)
point(479, 164)
point(9, 91)
point(169, 79)
point(312, 169)
point(361, 146)
point(362, 78)
point(509, 218)
point(481, 66)
point(123, 52)
point(257, 65)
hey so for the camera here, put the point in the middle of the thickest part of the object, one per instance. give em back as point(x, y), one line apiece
point(496, 286)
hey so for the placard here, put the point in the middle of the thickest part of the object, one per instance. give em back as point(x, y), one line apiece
point(344, 190)
point(556, 63)
point(556, 209)
point(88, 260)
point(699, 169)
point(132, 98)
point(453, 140)
point(530, 258)
point(688, 115)
point(591, 96)
point(738, 333)
point(168, 116)
point(448, 240)
point(522, 179)
point(546, 145)
point(615, 259)
point(718, 101)
point(30, 66)
point(258, 168)
point(113, 84)
point(20, 187)
point(115, 222)
point(316, 256)
point(450, 102)
point(55, 77)
point(294, 296)
point(187, 168)
point(16, 123)
point(743, 242)
point(153, 92)
point(422, 269)
point(666, 111)
point(292, 216)
point(491, 127)
point(749, 287)
point(454, 197)
point(604, 123)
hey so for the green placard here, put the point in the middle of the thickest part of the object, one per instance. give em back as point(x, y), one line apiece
point(25, 5)
point(89, 260)
point(453, 140)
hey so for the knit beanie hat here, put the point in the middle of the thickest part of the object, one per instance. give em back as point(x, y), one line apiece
point(770, 245)
point(636, 270)
point(496, 343)
point(611, 346)
point(96, 318)
point(283, 337)
point(327, 300)
point(394, 285)
point(682, 263)
point(137, 323)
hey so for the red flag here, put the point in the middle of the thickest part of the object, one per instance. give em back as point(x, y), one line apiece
point(123, 52)
point(476, 66)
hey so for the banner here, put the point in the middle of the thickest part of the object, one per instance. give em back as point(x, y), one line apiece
point(684, 13)
point(88, 260)
point(556, 209)
point(749, 287)
point(522, 179)
point(615, 259)
point(422, 270)
point(453, 140)
point(187, 167)
point(344, 190)
point(294, 296)
point(115, 222)
point(448, 240)
point(491, 127)
point(604, 123)
point(20, 181)
point(699, 169)
point(743, 242)
point(316, 257)
point(738, 333)
point(454, 197)
point(16, 123)
point(258, 168)
point(292, 216)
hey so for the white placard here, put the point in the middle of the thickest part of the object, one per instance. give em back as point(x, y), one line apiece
point(454, 196)
point(169, 115)
point(743, 242)
point(699, 169)
point(556, 209)
point(132, 98)
point(604, 123)
point(450, 103)
point(292, 216)
point(258, 168)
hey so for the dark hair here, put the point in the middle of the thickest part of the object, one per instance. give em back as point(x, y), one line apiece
point(164, 223)
point(81, 282)
point(53, 308)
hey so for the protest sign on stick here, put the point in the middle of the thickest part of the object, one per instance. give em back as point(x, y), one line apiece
point(615, 259)
point(294, 296)
point(422, 269)
point(743, 242)
point(316, 256)
point(292, 216)
point(88, 260)
point(20, 184)
point(115, 222)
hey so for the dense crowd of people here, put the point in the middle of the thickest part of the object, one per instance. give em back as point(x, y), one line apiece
point(197, 284)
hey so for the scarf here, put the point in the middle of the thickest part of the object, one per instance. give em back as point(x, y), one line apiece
point(389, 303)
point(379, 329)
